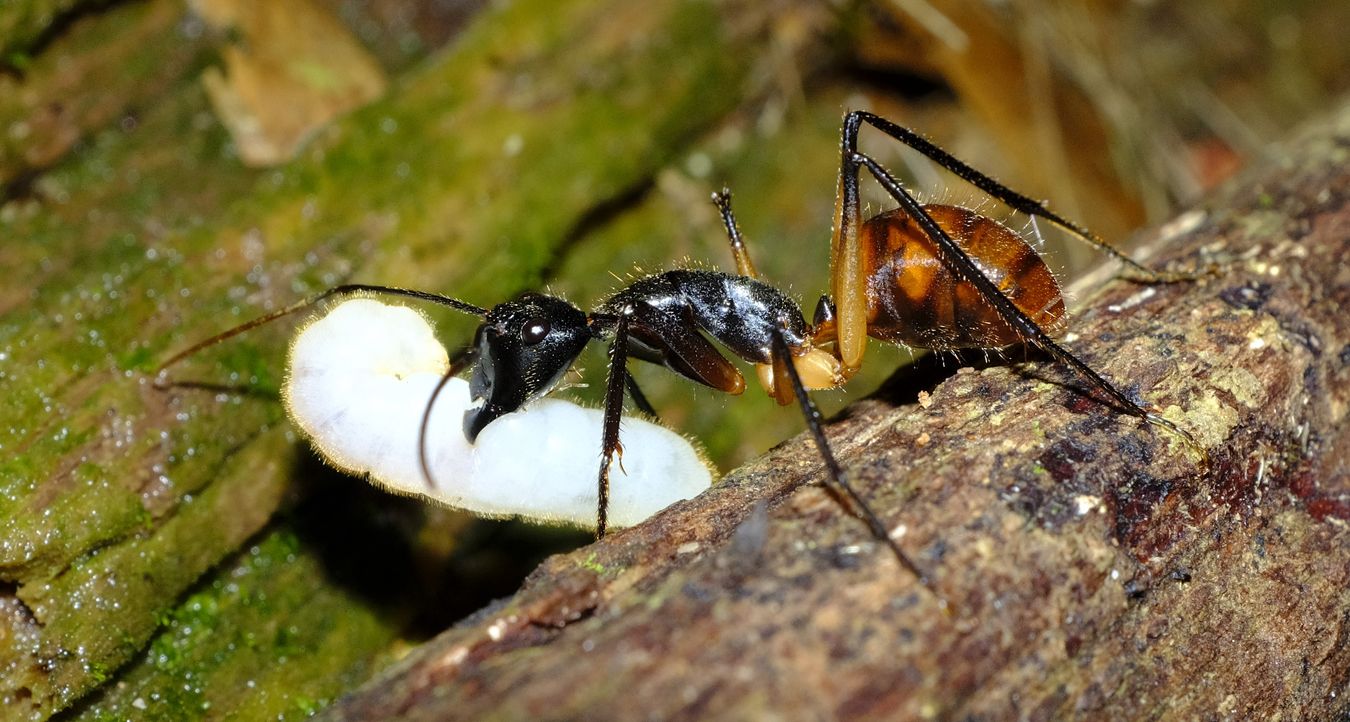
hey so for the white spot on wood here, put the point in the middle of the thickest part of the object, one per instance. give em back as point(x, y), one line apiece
point(1181, 225)
point(1138, 298)
point(1085, 504)
point(688, 548)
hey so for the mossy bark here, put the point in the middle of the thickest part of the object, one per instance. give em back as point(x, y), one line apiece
point(103, 69)
point(25, 22)
point(1096, 568)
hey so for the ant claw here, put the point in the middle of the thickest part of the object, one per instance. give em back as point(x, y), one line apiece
point(1154, 418)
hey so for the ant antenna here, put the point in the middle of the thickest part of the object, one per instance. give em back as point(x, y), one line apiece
point(744, 266)
point(344, 290)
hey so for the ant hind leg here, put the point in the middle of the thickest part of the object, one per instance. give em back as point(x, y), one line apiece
point(1014, 200)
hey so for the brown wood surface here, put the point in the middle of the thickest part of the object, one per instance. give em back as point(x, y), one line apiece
point(1096, 569)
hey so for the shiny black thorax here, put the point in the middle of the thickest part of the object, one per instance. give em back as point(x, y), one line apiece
point(740, 313)
point(524, 346)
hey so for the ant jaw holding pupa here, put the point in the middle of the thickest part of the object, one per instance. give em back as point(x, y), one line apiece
point(679, 319)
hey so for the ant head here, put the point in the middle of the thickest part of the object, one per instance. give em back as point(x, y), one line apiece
point(523, 347)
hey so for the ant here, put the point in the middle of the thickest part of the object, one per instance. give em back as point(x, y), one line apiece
point(933, 276)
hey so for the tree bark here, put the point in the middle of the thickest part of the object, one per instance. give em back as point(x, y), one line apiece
point(1096, 568)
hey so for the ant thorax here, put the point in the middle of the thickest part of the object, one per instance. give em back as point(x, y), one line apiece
point(672, 310)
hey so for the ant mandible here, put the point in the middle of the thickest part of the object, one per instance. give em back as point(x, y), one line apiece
point(931, 276)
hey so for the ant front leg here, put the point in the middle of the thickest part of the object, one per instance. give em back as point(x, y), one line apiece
point(609, 443)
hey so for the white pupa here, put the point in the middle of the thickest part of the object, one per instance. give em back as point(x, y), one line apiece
point(358, 383)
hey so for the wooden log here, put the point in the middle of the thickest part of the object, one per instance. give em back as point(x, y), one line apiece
point(1095, 567)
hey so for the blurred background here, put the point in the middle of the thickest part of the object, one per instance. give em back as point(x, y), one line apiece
point(170, 169)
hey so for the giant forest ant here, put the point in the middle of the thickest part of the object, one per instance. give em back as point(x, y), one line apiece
point(928, 276)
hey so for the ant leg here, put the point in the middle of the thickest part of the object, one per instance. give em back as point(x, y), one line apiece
point(848, 273)
point(744, 266)
point(344, 290)
point(837, 477)
point(961, 264)
point(467, 357)
point(609, 443)
point(1010, 197)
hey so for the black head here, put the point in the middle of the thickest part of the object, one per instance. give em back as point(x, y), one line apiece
point(524, 347)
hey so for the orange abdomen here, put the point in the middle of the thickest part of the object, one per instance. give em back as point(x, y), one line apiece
point(913, 298)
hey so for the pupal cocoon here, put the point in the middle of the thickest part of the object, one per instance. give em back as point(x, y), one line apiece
point(358, 382)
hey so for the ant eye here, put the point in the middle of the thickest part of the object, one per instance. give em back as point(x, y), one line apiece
point(534, 331)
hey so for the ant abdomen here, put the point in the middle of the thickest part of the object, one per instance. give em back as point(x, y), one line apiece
point(914, 298)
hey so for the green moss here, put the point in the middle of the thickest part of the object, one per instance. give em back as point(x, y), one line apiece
point(317, 642)
point(103, 68)
point(592, 565)
point(24, 21)
point(137, 359)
